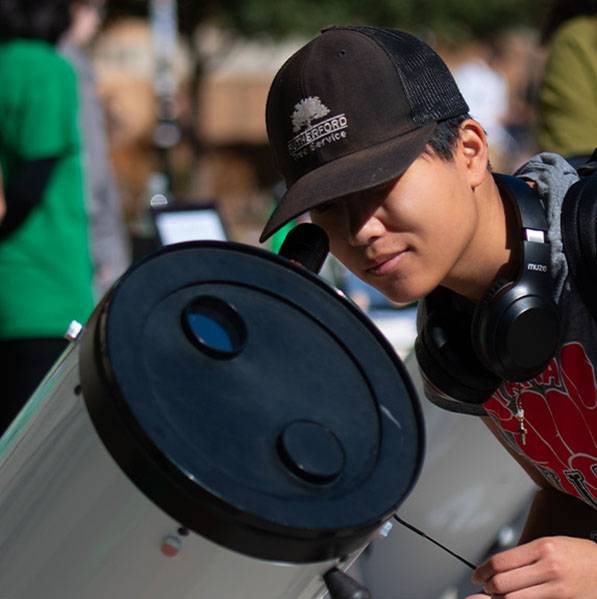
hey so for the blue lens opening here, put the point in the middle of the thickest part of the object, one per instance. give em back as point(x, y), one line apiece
point(211, 332)
point(214, 326)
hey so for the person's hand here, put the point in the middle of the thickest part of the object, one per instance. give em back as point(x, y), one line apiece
point(547, 568)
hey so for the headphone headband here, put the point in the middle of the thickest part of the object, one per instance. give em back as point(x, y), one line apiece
point(524, 198)
point(534, 272)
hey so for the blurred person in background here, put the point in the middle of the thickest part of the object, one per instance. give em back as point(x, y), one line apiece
point(486, 91)
point(108, 239)
point(45, 265)
point(567, 107)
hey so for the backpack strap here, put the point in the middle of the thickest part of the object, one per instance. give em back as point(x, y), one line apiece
point(589, 167)
point(579, 233)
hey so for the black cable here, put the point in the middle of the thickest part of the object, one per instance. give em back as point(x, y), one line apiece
point(425, 536)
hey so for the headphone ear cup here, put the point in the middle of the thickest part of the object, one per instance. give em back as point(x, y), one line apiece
point(447, 359)
point(514, 332)
point(484, 313)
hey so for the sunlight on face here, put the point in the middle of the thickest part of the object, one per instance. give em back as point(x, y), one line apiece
point(404, 237)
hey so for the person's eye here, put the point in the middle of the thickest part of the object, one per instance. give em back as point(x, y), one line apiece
point(381, 192)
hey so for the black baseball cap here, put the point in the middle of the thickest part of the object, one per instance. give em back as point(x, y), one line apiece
point(352, 109)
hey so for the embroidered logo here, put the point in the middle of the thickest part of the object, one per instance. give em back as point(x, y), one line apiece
point(307, 110)
point(314, 136)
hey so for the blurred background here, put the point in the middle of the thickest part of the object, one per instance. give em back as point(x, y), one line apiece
point(184, 86)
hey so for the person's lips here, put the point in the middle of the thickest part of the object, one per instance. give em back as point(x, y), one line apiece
point(382, 265)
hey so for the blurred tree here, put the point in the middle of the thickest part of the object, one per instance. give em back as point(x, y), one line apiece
point(451, 20)
point(440, 22)
point(190, 12)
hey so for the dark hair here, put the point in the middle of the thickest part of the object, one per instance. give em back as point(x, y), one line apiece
point(444, 138)
point(563, 10)
point(45, 20)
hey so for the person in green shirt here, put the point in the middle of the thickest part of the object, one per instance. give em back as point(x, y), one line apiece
point(2, 203)
point(45, 265)
point(567, 107)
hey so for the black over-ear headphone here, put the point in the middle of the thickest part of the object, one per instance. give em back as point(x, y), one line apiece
point(464, 350)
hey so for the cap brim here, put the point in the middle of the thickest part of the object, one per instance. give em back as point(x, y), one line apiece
point(351, 173)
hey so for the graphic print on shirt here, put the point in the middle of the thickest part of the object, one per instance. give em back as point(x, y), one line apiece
point(560, 413)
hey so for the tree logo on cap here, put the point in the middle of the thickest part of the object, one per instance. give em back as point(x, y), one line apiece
point(307, 110)
point(311, 137)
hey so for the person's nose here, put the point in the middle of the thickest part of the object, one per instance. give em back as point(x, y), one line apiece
point(363, 226)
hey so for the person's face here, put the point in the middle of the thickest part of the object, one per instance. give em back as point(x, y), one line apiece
point(405, 237)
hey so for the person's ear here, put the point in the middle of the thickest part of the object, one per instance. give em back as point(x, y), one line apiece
point(474, 151)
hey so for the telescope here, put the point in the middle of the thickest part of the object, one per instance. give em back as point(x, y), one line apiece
point(225, 426)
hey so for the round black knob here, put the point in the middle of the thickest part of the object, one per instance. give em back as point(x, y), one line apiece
point(311, 451)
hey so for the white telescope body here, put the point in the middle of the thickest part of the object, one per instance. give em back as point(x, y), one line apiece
point(137, 468)
point(73, 526)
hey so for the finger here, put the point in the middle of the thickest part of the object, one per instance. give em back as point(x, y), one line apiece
point(543, 591)
point(516, 579)
point(523, 555)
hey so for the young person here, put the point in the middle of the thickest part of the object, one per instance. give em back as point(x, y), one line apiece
point(373, 138)
point(108, 239)
point(567, 107)
point(45, 267)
